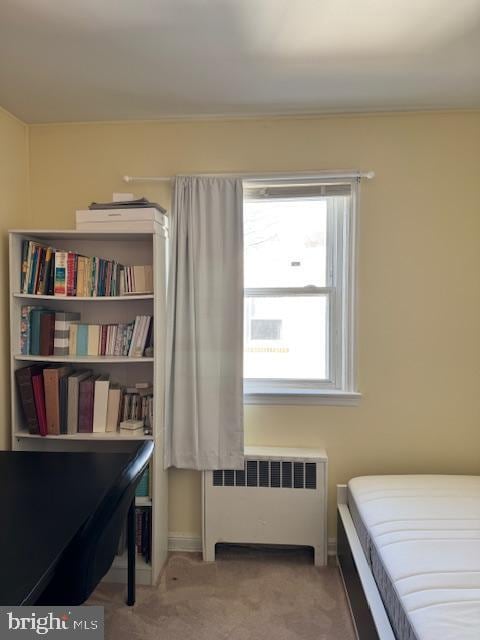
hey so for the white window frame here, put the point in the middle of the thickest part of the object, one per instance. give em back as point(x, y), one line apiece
point(341, 386)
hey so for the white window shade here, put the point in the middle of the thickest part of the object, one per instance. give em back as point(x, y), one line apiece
point(289, 190)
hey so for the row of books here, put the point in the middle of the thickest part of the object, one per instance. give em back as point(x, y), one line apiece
point(49, 271)
point(144, 532)
point(143, 523)
point(58, 400)
point(134, 339)
point(136, 279)
point(46, 332)
point(137, 405)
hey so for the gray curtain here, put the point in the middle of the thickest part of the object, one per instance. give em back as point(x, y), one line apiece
point(204, 350)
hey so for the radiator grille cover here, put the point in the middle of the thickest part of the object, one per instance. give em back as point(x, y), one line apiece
point(269, 473)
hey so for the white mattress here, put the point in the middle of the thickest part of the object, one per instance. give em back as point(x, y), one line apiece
point(426, 532)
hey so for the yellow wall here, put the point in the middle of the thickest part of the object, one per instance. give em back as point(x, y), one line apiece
point(13, 212)
point(419, 270)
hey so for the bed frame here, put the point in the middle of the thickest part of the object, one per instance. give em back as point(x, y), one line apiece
point(369, 616)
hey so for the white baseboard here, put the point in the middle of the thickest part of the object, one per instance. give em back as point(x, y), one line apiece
point(188, 543)
point(184, 542)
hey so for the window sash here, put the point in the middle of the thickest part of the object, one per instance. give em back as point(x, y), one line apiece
point(292, 292)
point(340, 289)
point(286, 292)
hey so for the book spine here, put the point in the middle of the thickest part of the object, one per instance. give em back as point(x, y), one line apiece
point(33, 267)
point(47, 333)
point(61, 274)
point(26, 282)
point(27, 399)
point(47, 270)
point(25, 329)
point(103, 345)
point(72, 339)
point(39, 396)
point(85, 406)
point(24, 269)
point(82, 339)
point(35, 316)
point(41, 271)
point(50, 380)
point(75, 274)
point(50, 285)
point(139, 522)
point(71, 274)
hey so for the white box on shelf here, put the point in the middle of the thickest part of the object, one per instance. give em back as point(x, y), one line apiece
point(147, 219)
point(131, 427)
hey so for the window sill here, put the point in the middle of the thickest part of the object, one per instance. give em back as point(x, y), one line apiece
point(305, 396)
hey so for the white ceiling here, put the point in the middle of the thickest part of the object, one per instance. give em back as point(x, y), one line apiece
point(79, 60)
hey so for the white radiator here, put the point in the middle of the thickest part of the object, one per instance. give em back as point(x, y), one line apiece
point(280, 497)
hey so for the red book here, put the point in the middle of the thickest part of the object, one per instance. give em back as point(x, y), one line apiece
point(47, 333)
point(103, 345)
point(71, 268)
point(39, 397)
point(85, 405)
point(75, 274)
point(27, 399)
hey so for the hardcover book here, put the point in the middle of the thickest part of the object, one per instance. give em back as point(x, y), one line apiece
point(100, 404)
point(73, 399)
point(35, 316)
point(51, 380)
point(27, 399)
point(63, 321)
point(113, 407)
point(47, 332)
point(39, 396)
point(61, 267)
point(25, 329)
point(85, 405)
point(82, 340)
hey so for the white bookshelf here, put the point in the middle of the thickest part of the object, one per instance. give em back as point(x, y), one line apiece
point(126, 248)
point(86, 360)
point(143, 296)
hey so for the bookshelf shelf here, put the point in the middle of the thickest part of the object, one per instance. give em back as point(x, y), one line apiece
point(84, 359)
point(120, 562)
point(82, 436)
point(92, 236)
point(119, 567)
point(126, 248)
point(129, 298)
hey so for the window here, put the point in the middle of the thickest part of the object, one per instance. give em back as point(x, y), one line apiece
point(299, 288)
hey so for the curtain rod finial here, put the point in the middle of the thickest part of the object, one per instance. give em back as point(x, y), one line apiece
point(126, 178)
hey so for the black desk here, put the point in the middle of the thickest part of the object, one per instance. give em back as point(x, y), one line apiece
point(45, 498)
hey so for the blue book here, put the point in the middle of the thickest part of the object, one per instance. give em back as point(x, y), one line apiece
point(33, 273)
point(144, 484)
point(35, 316)
point(82, 340)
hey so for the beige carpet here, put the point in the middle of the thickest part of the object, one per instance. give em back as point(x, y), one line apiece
point(245, 595)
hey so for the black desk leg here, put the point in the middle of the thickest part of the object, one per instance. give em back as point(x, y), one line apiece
point(131, 543)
